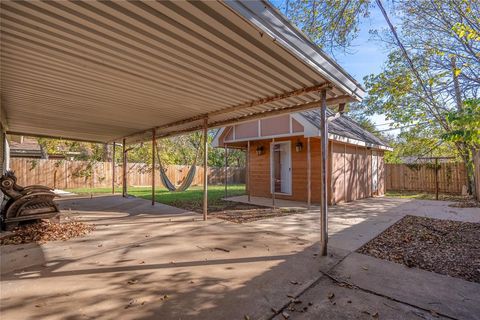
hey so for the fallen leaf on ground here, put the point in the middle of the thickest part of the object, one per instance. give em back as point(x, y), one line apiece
point(443, 246)
point(45, 231)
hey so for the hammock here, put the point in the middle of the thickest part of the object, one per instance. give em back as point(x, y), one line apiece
point(187, 181)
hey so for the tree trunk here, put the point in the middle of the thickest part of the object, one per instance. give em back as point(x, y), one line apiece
point(467, 157)
point(107, 153)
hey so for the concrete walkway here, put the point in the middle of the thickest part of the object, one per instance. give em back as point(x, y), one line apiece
point(145, 262)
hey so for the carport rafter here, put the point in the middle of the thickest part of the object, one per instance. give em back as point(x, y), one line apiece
point(260, 115)
point(239, 107)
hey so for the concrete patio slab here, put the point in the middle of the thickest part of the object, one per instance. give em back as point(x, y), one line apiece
point(144, 262)
point(346, 303)
point(144, 266)
point(453, 297)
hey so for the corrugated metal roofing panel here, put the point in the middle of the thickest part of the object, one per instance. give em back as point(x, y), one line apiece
point(101, 70)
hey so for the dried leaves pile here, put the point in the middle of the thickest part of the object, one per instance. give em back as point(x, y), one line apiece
point(214, 206)
point(245, 216)
point(45, 230)
point(443, 246)
point(467, 203)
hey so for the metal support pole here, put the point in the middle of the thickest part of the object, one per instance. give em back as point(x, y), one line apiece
point(272, 157)
point(248, 170)
point(154, 145)
point(436, 178)
point(205, 168)
point(309, 175)
point(113, 168)
point(323, 193)
point(226, 171)
point(124, 177)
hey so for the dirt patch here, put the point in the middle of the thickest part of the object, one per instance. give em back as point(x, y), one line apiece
point(45, 231)
point(215, 206)
point(442, 246)
point(249, 215)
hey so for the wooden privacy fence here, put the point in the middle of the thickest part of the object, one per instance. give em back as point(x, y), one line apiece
point(63, 174)
point(421, 177)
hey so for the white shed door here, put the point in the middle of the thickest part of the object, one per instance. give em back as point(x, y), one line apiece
point(281, 167)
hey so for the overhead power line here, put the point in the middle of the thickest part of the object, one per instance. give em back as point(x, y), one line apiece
point(407, 57)
point(406, 126)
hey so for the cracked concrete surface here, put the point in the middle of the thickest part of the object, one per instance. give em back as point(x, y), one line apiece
point(160, 262)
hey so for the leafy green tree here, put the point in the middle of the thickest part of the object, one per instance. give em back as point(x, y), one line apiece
point(330, 24)
point(433, 65)
point(180, 150)
point(465, 124)
point(441, 71)
point(465, 130)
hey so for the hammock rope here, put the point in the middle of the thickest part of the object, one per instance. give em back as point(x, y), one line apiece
point(187, 181)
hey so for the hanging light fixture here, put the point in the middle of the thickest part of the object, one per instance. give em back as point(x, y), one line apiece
point(299, 146)
point(260, 150)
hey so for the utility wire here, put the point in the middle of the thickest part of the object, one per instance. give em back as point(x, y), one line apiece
point(397, 39)
point(407, 57)
point(406, 126)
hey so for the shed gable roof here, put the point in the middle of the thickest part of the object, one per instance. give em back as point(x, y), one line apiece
point(342, 129)
point(343, 126)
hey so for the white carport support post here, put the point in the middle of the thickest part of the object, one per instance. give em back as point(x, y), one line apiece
point(248, 170)
point(309, 174)
point(225, 173)
point(154, 144)
point(272, 168)
point(124, 176)
point(113, 168)
point(205, 168)
point(323, 193)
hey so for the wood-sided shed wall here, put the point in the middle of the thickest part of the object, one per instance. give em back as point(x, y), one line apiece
point(349, 171)
point(260, 169)
point(352, 173)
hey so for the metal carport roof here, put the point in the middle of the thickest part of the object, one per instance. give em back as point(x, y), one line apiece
point(105, 70)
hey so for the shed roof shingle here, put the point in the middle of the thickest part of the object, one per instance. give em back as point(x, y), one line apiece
point(343, 126)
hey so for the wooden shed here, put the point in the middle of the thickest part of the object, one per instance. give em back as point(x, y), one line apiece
point(284, 155)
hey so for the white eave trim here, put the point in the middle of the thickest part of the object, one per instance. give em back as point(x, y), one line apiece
point(336, 137)
point(267, 19)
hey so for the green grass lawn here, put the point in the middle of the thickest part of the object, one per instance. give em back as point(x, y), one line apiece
point(423, 195)
point(190, 199)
